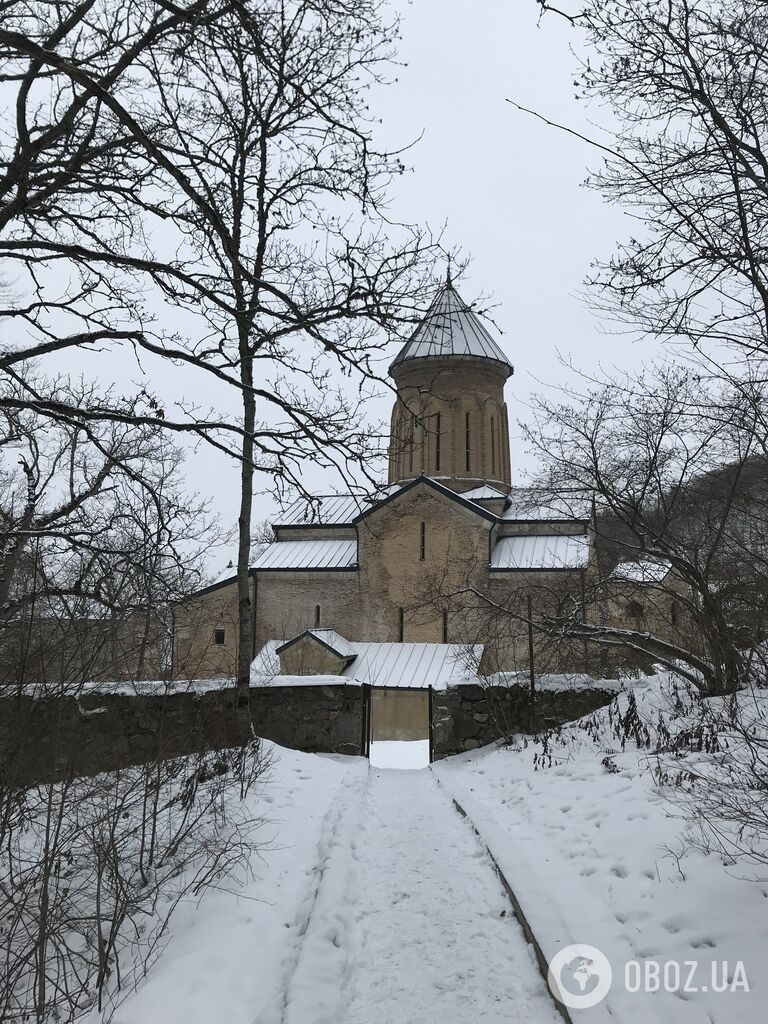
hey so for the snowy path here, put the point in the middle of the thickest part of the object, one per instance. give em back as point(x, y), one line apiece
point(374, 903)
point(434, 938)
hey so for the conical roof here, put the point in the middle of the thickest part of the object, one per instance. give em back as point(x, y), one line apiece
point(450, 328)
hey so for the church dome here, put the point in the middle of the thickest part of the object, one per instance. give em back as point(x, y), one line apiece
point(450, 329)
point(449, 419)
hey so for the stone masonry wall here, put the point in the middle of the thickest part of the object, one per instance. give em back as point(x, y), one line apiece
point(286, 602)
point(394, 576)
point(196, 654)
point(466, 717)
point(466, 393)
point(49, 739)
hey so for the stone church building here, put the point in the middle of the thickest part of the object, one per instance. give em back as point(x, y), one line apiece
point(447, 552)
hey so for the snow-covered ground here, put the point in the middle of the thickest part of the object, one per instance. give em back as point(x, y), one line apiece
point(402, 754)
point(233, 956)
point(434, 940)
point(595, 856)
point(376, 902)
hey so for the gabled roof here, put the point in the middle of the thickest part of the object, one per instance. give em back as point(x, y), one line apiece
point(308, 554)
point(485, 492)
point(450, 328)
point(435, 485)
point(399, 665)
point(328, 638)
point(541, 551)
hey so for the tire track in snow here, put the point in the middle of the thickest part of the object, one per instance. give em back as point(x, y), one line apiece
point(317, 970)
point(436, 940)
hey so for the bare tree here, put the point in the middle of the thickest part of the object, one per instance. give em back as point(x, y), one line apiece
point(253, 199)
point(93, 868)
point(685, 85)
point(97, 539)
point(678, 470)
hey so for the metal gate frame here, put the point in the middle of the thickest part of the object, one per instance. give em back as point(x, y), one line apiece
point(429, 713)
point(365, 707)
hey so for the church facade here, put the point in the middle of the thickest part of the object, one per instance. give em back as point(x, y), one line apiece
point(447, 552)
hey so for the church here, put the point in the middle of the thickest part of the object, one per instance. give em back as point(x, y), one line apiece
point(447, 552)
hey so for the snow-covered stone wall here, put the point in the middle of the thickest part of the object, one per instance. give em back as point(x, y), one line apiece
point(465, 717)
point(52, 738)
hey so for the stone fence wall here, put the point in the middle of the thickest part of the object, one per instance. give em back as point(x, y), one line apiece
point(43, 740)
point(467, 716)
point(47, 739)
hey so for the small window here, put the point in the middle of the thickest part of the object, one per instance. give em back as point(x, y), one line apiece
point(219, 637)
point(411, 442)
point(493, 446)
point(673, 613)
point(423, 543)
point(437, 441)
point(400, 625)
point(466, 443)
point(317, 615)
point(445, 625)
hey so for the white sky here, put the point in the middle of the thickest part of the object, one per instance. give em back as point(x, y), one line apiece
point(508, 189)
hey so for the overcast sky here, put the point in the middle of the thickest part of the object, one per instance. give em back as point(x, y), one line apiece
point(508, 188)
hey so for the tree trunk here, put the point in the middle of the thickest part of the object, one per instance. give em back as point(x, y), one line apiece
point(244, 611)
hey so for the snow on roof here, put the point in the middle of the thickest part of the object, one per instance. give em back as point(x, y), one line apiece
point(330, 638)
point(266, 662)
point(541, 551)
point(331, 509)
point(308, 554)
point(484, 492)
point(401, 665)
point(412, 665)
point(450, 328)
point(641, 571)
point(532, 503)
point(323, 509)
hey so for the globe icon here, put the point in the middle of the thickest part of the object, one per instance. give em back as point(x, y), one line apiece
point(578, 977)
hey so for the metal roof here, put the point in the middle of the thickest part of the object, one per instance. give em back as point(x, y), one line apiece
point(323, 510)
point(400, 665)
point(485, 492)
point(531, 503)
point(541, 551)
point(412, 665)
point(308, 554)
point(641, 572)
point(450, 328)
point(329, 637)
point(436, 485)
